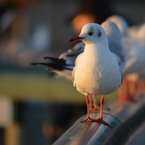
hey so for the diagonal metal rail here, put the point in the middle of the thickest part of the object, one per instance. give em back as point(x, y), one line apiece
point(125, 117)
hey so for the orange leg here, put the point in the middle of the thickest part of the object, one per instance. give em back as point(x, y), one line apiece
point(133, 88)
point(94, 105)
point(88, 103)
point(126, 90)
point(123, 90)
point(142, 87)
point(100, 118)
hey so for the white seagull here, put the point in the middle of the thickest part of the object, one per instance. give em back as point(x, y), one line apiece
point(64, 64)
point(97, 70)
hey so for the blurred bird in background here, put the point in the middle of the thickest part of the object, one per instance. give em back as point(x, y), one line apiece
point(136, 61)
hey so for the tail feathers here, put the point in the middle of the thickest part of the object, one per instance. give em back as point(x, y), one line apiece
point(40, 64)
point(54, 64)
point(51, 59)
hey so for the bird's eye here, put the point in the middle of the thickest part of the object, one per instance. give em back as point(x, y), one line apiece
point(90, 33)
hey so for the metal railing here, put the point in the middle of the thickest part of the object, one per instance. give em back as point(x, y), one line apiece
point(125, 117)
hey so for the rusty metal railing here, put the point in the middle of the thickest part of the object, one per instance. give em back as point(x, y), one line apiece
point(125, 117)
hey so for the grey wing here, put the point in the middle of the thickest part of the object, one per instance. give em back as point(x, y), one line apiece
point(119, 61)
point(71, 55)
point(73, 52)
point(118, 48)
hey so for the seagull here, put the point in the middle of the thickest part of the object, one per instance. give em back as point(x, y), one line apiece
point(97, 70)
point(64, 64)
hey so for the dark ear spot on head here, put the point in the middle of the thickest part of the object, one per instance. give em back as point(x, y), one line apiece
point(99, 33)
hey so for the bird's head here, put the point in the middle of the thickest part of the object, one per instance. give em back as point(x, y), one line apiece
point(90, 33)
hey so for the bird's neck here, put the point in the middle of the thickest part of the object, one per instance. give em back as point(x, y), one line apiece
point(96, 48)
point(96, 53)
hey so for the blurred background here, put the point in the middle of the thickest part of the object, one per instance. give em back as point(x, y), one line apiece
point(37, 106)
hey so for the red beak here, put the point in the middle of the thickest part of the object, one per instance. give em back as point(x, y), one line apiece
point(76, 38)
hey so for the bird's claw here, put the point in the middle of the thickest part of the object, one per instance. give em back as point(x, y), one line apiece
point(99, 120)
